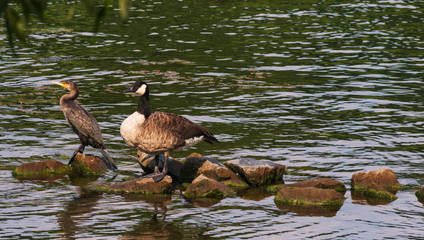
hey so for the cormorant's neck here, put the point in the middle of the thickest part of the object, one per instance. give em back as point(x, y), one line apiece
point(144, 106)
point(70, 97)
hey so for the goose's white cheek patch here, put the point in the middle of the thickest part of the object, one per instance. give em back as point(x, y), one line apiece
point(141, 90)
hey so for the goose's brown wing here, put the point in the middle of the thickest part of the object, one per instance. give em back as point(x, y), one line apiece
point(169, 131)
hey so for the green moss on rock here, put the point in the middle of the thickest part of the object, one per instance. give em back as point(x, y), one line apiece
point(420, 194)
point(50, 169)
point(373, 193)
point(88, 166)
point(142, 186)
point(274, 189)
point(236, 185)
point(204, 187)
point(309, 196)
point(328, 204)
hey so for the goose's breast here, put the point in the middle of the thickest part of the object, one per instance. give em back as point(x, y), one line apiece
point(130, 128)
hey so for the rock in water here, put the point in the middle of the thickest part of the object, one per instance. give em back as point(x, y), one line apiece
point(204, 187)
point(190, 167)
point(324, 183)
point(219, 172)
point(88, 166)
point(310, 196)
point(137, 186)
point(381, 183)
point(45, 170)
point(211, 168)
point(257, 172)
point(420, 194)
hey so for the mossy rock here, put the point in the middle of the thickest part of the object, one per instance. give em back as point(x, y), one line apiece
point(381, 183)
point(236, 185)
point(204, 187)
point(45, 170)
point(373, 193)
point(328, 204)
point(322, 183)
point(143, 186)
point(420, 194)
point(310, 196)
point(274, 189)
point(257, 172)
point(88, 166)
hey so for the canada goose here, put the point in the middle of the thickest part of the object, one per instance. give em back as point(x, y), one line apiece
point(159, 132)
point(82, 123)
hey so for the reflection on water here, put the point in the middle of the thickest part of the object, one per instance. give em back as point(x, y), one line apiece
point(326, 88)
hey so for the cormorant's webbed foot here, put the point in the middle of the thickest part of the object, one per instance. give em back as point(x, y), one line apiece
point(79, 149)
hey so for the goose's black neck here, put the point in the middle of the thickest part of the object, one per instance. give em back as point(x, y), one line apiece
point(144, 106)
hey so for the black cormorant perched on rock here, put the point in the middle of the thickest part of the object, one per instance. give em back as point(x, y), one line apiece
point(159, 132)
point(82, 123)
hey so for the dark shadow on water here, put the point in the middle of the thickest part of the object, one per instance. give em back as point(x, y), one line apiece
point(254, 194)
point(157, 227)
point(159, 203)
point(75, 213)
point(311, 211)
point(203, 202)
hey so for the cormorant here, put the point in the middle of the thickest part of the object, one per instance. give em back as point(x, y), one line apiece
point(82, 123)
point(159, 132)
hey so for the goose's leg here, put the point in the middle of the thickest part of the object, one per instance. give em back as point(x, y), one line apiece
point(156, 164)
point(79, 149)
point(159, 176)
point(156, 175)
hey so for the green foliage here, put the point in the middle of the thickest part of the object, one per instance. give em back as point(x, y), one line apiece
point(16, 13)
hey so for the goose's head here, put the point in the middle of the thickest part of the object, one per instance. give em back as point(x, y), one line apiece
point(139, 88)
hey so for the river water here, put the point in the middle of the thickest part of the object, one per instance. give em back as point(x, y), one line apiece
point(328, 88)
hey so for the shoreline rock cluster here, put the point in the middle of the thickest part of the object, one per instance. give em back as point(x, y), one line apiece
point(202, 178)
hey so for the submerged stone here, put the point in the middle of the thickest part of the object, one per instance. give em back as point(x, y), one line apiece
point(136, 186)
point(310, 196)
point(381, 183)
point(88, 166)
point(254, 194)
point(324, 183)
point(420, 194)
point(44, 170)
point(204, 187)
point(257, 172)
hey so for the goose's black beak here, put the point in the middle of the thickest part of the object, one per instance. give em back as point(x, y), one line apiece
point(129, 90)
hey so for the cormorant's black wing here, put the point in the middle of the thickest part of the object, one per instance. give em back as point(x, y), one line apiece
point(82, 122)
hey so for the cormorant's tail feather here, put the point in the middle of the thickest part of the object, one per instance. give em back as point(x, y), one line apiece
point(111, 164)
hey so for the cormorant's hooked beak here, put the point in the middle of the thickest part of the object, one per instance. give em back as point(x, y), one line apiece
point(62, 84)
